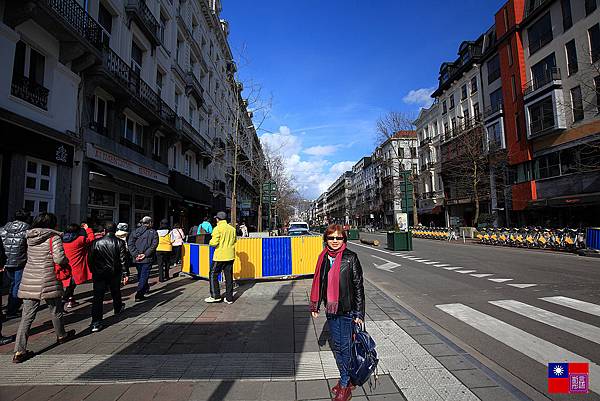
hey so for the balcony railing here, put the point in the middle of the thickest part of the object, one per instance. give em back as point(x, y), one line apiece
point(140, 11)
point(73, 15)
point(193, 135)
point(492, 109)
point(425, 141)
point(542, 80)
point(30, 91)
point(534, 5)
point(194, 86)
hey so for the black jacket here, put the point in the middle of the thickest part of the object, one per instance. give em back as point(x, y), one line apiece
point(14, 238)
point(143, 240)
point(352, 292)
point(107, 257)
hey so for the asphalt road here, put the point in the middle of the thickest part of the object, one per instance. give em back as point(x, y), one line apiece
point(514, 309)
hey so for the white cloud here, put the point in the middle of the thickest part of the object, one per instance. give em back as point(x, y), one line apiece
point(283, 141)
point(421, 97)
point(321, 150)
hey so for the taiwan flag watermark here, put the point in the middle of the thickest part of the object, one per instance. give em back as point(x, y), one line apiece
point(568, 378)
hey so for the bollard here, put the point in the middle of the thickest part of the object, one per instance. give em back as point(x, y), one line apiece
point(370, 242)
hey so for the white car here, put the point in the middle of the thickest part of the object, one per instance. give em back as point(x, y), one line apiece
point(298, 228)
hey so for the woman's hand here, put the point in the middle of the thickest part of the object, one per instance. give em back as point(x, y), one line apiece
point(358, 320)
point(314, 314)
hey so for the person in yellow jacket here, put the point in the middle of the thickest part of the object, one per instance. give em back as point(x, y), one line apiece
point(223, 240)
point(164, 249)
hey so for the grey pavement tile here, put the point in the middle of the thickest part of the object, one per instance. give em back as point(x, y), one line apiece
point(473, 378)
point(10, 393)
point(453, 393)
point(384, 397)
point(108, 392)
point(455, 362)
point(416, 329)
point(439, 350)
point(40, 393)
point(174, 392)
point(409, 378)
point(427, 339)
point(494, 394)
point(278, 391)
point(204, 391)
point(140, 392)
point(424, 393)
point(312, 389)
point(384, 385)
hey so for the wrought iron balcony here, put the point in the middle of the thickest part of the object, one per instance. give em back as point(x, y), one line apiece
point(194, 137)
point(72, 14)
point(425, 141)
point(193, 86)
point(30, 91)
point(539, 81)
point(141, 14)
point(493, 109)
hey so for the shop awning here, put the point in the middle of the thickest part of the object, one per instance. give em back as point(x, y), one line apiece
point(570, 200)
point(128, 178)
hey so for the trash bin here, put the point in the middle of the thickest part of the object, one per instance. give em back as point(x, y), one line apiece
point(353, 233)
point(399, 241)
point(592, 238)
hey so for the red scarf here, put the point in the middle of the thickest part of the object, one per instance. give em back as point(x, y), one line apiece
point(333, 281)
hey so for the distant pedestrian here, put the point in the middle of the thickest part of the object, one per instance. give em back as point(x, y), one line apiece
point(142, 245)
point(108, 256)
point(223, 239)
point(3, 339)
point(44, 251)
point(193, 233)
point(244, 229)
point(338, 283)
point(14, 238)
point(122, 231)
point(178, 237)
point(205, 229)
point(76, 242)
point(164, 250)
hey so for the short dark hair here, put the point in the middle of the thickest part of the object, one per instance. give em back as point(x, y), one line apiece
point(44, 220)
point(110, 227)
point(73, 228)
point(23, 215)
point(333, 228)
point(164, 224)
point(176, 225)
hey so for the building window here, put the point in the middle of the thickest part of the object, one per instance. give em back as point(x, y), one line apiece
point(590, 6)
point(453, 123)
point(541, 116)
point(571, 57)
point(40, 179)
point(164, 21)
point(159, 82)
point(156, 146)
point(136, 58)
point(463, 92)
point(466, 116)
point(493, 67)
point(547, 166)
point(28, 76)
point(187, 165)
point(105, 18)
point(505, 15)
point(513, 87)
point(566, 14)
point(100, 115)
point(510, 54)
point(543, 71)
point(577, 103)
point(451, 101)
point(476, 111)
point(133, 131)
point(177, 99)
point(540, 33)
point(446, 130)
point(413, 152)
point(494, 132)
point(496, 100)
point(597, 84)
point(473, 85)
point(444, 107)
point(594, 35)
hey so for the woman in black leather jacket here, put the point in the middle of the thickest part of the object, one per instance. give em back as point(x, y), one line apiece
point(338, 283)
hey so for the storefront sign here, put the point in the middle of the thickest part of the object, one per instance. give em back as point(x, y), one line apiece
point(101, 155)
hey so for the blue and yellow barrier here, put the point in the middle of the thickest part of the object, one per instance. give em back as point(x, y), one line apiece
point(271, 257)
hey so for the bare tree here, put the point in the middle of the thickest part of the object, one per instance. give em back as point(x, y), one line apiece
point(387, 130)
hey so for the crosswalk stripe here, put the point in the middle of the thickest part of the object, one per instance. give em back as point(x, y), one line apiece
point(421, 260)
point(582, 306)
point(534, 347)
point(441, 265)
point(499, 280)
point(567, 324)
point(465, 271)
point(430, 263)
point(452, 268)
point(522, 285)
point(481, 275)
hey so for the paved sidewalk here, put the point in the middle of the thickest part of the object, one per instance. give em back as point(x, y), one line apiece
point(263, 347)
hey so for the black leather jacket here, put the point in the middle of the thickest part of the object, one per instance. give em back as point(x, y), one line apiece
point(352, 292)
point(14, 238)
point(108, 256)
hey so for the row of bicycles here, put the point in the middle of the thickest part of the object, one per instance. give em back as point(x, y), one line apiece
point(559, 239)
point(439, 233)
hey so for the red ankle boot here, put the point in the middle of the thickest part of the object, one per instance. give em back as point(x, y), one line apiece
point(336, 388)
point(343, 394)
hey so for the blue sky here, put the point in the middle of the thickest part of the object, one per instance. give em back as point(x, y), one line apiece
point(334, 67)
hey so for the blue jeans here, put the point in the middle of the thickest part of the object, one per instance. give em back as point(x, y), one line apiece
point(143, 271)
point(340, 330)
point(14, 302)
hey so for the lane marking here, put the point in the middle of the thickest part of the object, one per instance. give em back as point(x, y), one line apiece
point(563, 323)
point(441, 265)
point(452, 268)
point(387, 266)
point(576, 304)
point(522, 285)
point(499, 280)
point(465, 271)
point(534, 347)
point(421, 260)
point(481, 275)
point(430, 263)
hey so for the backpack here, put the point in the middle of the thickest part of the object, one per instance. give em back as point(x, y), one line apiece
point(364, 357)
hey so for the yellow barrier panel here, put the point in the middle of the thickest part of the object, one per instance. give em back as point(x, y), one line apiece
point(248, 258)
point(185, 258)
point(305, 252)
point(204, 260)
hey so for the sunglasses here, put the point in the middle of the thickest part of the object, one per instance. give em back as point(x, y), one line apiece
point(334, 238)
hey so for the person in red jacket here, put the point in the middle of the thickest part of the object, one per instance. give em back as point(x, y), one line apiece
point(76, 242)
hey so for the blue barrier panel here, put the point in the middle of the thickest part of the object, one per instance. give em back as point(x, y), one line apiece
point(194, 259)
point(276, 256)
point(592, 238)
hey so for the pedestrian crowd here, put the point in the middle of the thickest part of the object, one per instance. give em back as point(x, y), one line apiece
point(44, 264)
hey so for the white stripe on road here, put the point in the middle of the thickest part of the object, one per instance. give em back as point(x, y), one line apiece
point(465, 271)
point(421, 260)
point(522, 285)
point(453, 268)
point(534, 347)
point(430, 263)
point(567, 324)
point(441, 265)
point(582, 306)
point(481, 275)
point(499, 280)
